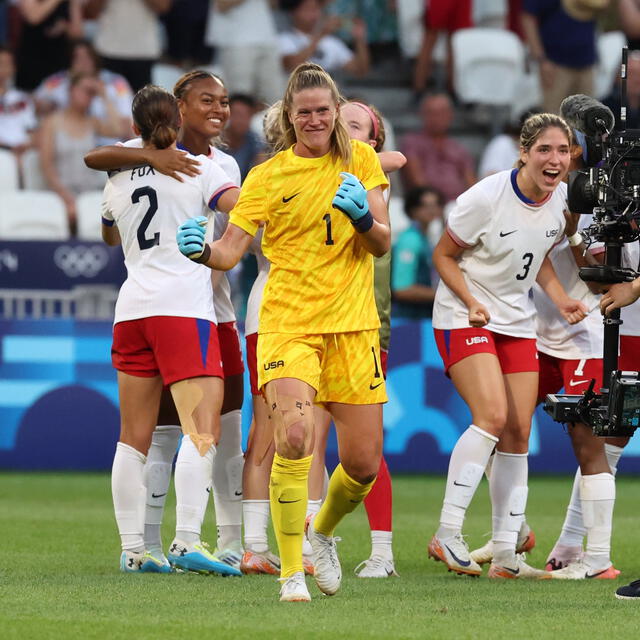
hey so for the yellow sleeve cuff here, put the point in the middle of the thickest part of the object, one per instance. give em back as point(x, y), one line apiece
point(244, 224)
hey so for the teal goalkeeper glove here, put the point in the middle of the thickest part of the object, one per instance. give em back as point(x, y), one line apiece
point(351, 199)
point(190, 239)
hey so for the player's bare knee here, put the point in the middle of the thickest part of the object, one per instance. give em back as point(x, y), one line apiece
point(362, 471)
point(292, 423)
point(493, 420)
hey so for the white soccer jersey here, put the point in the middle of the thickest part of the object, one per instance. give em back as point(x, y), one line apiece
point(148, 207)
point(506, 240)
point(556, 337)
point(630, 315)
point(255, 296)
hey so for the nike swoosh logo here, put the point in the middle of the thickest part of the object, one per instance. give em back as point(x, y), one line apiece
point(375, 386)
point(595, 575)
point(238, 493)
point(515, 515)
point(515, 572)
point(158, 495)
point(504, 235)
point(462, 563)
point(281, 501)
point(458, 484)
point(285, 200)
point(575, 383)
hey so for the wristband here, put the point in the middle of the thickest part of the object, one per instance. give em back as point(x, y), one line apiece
point(204, 256)
point(364, 223)
point(575, 240)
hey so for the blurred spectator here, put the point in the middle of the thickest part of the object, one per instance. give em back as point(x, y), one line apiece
point(434, 159)
point(503, 150)
point(412, 286)
point(128, 36)
point(633, 94)
point(243, 144)
point(185, 24)
point(53, 93)
point(440, 16)
point(17, 114)
point(310, 38)
point(562, 39)
point(244, 35)
point(629, 12)
point(47, 26)
point(67, 135)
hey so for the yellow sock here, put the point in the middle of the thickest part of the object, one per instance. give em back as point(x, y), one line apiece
point(343, 496)
point(289, 491)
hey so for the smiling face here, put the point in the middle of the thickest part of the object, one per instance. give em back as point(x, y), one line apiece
point(205, 107)
point(358, 123)
point(546, 163)
point(313, 114)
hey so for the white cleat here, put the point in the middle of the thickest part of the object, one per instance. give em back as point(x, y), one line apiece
point(231, 556)
point(521, 570)
point(376, 567)
point(484, 554)
point(526, 542)
point(327, 570)
point(580, 570)
point(454, 553)
point(294, 589)
point(563, 555)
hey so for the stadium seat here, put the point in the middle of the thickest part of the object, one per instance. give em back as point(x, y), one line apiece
point(165, 75)
point(487, 65)
point(32, 177)
point(8, 171)
point(32, 215)
point(88, 209)
point(609, 59)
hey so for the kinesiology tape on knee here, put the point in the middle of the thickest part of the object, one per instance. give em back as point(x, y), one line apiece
point(187, 395)
point(285, 411)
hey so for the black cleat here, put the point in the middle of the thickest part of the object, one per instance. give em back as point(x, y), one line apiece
point(629, 591)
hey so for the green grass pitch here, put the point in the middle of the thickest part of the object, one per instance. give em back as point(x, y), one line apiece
point(59, 576)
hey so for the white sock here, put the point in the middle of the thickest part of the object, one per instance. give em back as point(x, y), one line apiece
point(313, 506)
point(381, 542)
point(193, 478)
point(598, 494)
point(508, 488)
point(128, 491)
point(227, 481)
point(573, 530)
point(157, 476)
point(256, 520)
point(466, 466)
point(613, 454)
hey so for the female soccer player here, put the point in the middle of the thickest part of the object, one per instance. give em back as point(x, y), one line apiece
point(320, 201)
point(164, 303)
point(204, 108)
point(495, 248)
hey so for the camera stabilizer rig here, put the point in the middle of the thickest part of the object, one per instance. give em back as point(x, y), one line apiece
point(611, 191)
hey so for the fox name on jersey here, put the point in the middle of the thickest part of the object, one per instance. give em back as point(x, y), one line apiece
point(506, 237)
point(147, 208)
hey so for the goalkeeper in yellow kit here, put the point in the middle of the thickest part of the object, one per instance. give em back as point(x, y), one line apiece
point(320, 201)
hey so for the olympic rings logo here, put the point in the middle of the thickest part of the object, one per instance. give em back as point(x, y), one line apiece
point(81, 261)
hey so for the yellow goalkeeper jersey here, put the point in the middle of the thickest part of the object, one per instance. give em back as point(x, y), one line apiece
point(321, 278)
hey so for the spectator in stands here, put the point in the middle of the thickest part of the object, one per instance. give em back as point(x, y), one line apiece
point(67, 135)
point(561, 35)
point(244, 144)
point(47, 26)
point(53, 93)
point(633, 93)
point(503, 150)
point(311, 38)
point(128, 36)
point(185, 24)
point(411, 263)
point(441, 16)
point(244, 35)
point(629, 12)
point(17, 113)
point(433, 158)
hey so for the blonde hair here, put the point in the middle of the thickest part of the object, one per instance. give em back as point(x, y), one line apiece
point(534, 126)
point(312, 76)
point(271, 125)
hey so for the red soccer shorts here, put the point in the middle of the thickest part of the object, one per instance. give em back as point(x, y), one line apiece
point(516, 355)
point(574, 375)
point(448, 15)
point(174, 348)
point(230, 349)
point(629, 359)
point(384, 356)
point(252, 362)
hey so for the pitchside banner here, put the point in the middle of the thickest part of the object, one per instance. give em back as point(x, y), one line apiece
point(59, 403)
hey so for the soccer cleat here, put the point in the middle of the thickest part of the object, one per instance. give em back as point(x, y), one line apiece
point(521, 570)
point(376, 567)
point(563, 555)
point(197, 557)
point(154, 561)
point(579, 570)
point(130, 561)
point(526, 542)
point(230, 556)
point(265, 562)
point(629, 591)
point(454, 553)
point(327, 570)
point(294, 589)
point(307, 563)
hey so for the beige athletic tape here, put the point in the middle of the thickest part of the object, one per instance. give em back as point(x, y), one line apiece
point(285, 410)
point(187, 395)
